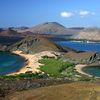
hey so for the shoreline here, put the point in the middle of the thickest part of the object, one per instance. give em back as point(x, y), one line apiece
point(31, 64)
point(79, 68)
point(26, 64)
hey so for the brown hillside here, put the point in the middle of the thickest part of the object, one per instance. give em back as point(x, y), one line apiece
point(34, 44)
point(9, 32)
point(88, 34)
point(71, 91)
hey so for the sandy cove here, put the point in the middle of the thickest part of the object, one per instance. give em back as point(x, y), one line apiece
point(32, 63)
point(79, 68)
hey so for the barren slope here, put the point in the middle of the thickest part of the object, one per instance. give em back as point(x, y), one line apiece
point(71, 91)
point(36, 44)
point(88, 34)
point(50, 28)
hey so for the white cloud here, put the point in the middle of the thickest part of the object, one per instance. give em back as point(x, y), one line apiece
point(86, 13)
point(66, 14)
point(83, 13)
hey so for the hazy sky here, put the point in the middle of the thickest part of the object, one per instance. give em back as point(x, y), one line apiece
point(32, 12)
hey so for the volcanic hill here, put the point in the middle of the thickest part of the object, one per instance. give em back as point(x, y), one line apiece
point(50, 28)
point(35, 44)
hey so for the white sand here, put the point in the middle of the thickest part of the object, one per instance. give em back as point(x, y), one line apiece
point(32, 61)
point(79, 68)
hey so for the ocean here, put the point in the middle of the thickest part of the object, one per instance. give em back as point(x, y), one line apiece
point(10, 62)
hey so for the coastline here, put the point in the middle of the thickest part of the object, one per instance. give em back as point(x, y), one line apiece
point(28, 63)
point(31, 63)
point(79, 68)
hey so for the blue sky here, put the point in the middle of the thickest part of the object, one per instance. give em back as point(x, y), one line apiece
point(70, 13)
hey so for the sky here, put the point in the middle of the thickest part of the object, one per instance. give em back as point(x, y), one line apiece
point(70, 13)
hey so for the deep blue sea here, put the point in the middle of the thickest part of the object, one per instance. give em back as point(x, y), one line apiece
point(10, 62)
point(81, 46)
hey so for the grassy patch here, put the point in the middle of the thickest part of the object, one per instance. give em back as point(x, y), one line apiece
point(55, 67)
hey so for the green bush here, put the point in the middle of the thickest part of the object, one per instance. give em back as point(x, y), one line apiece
point(54, 67)
point(83, 78)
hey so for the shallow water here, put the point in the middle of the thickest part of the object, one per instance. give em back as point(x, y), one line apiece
point(10, 62)
point(93, 70)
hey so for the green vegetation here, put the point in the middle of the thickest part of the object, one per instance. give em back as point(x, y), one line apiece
point(84, 78)
point(26, 75)
point(56, 67)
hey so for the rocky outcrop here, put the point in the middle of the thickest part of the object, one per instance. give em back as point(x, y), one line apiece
point(83, 57)
point(79, 57)
point(35, 44)
point(95, 58)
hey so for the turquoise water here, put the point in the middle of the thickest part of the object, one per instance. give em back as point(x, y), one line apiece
point(81, 46)
point(93, 70)
point(10, 62)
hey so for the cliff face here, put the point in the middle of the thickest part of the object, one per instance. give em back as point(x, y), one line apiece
point(95, 58)
point(35, 44)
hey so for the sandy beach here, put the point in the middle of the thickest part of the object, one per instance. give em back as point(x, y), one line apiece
point(32, 63)
point(79, 68)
